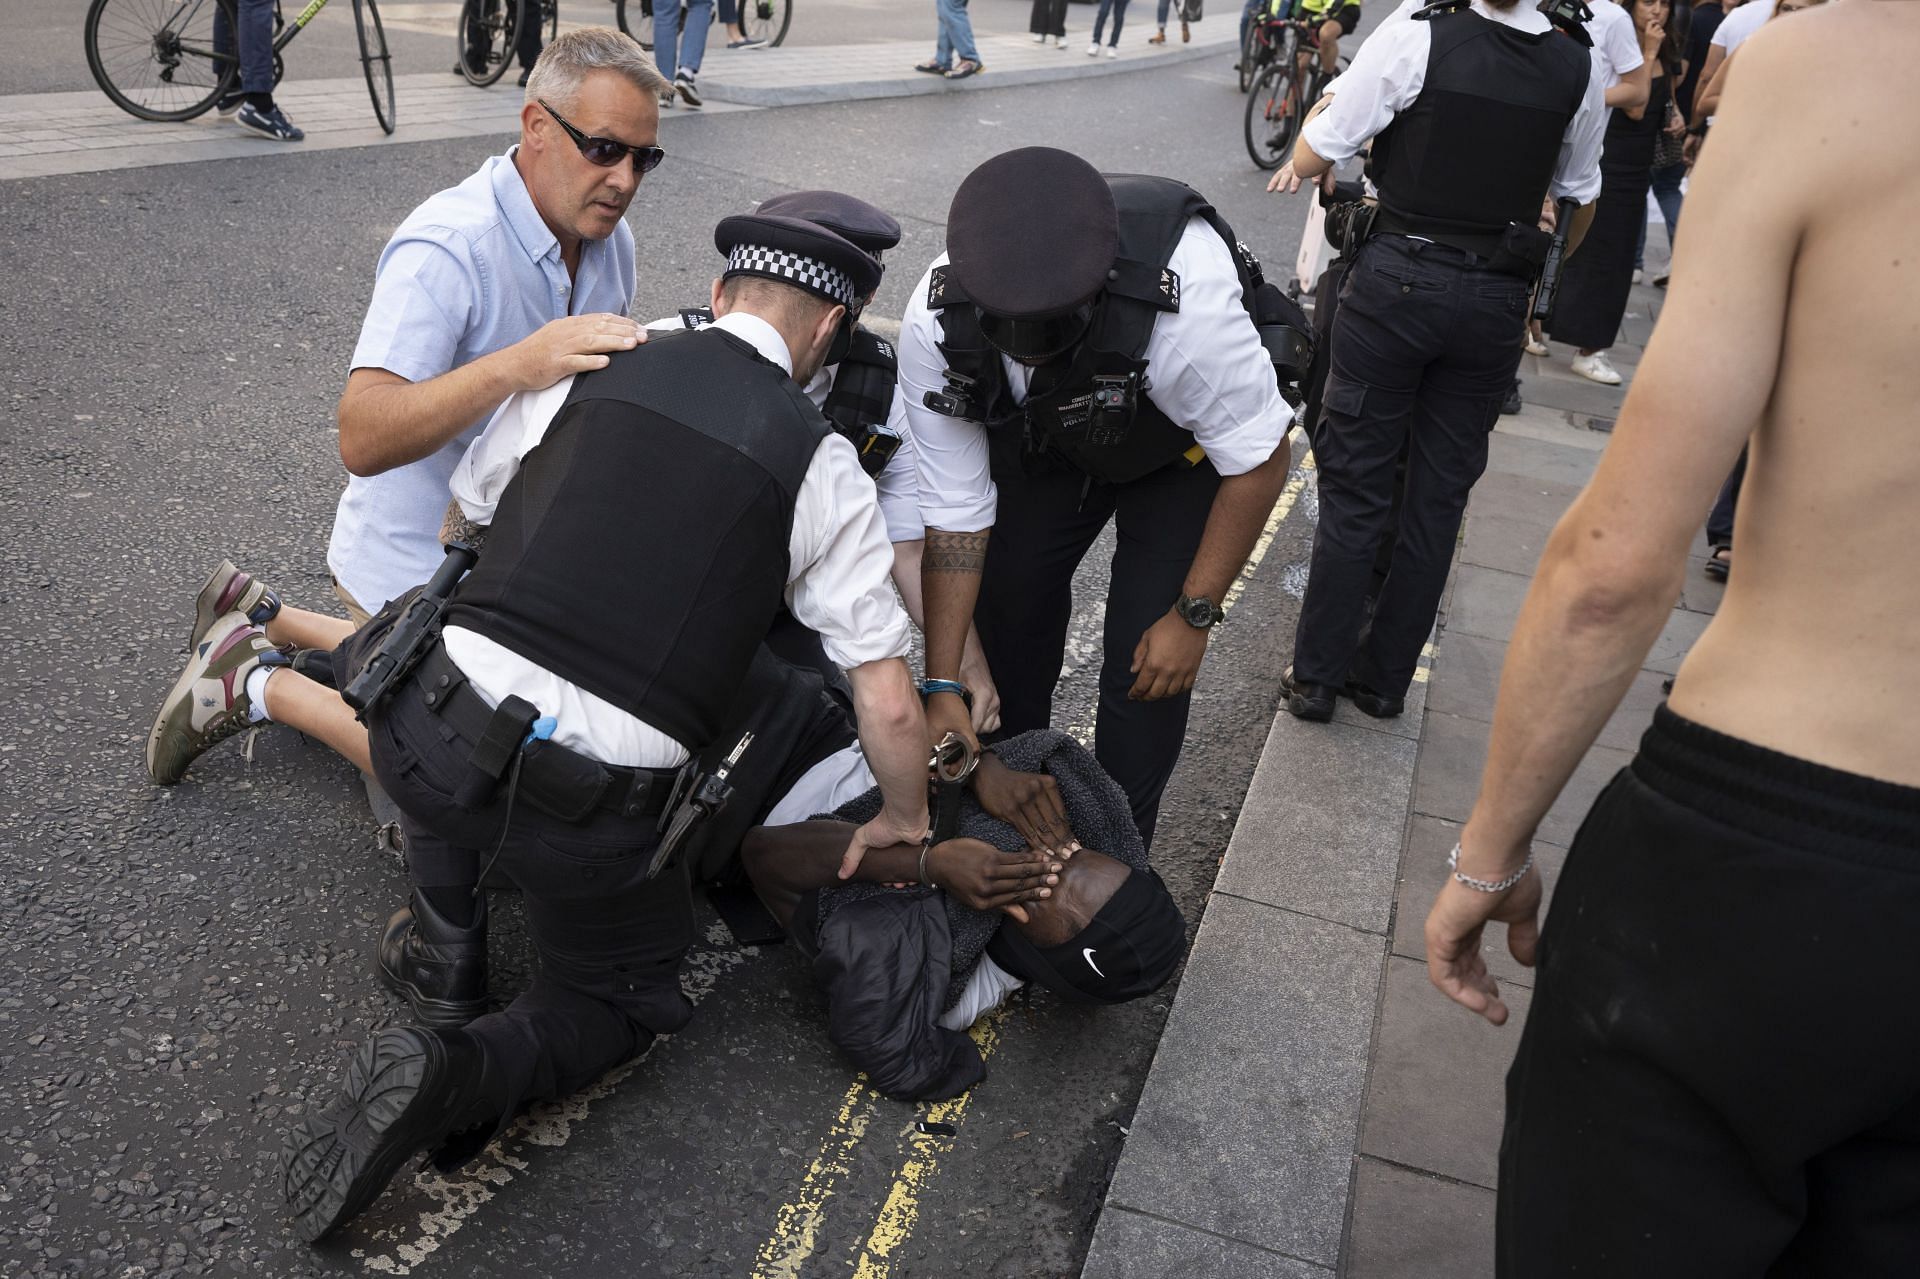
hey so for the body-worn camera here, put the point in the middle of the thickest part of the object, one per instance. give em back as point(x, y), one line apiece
point(1110, 412)
point(956, 400)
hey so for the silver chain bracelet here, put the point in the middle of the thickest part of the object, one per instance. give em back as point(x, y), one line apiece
point(1488, 885)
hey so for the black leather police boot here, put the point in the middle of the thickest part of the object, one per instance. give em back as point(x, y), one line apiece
point(437, 967)
point(406, 1090)
point(1307, 701)
point(1378, 705)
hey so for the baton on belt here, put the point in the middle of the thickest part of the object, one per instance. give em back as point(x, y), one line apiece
point(1549, 287)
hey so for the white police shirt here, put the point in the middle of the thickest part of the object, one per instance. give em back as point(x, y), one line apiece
point(898, 483)
point(838, 572)
point(1209, 374)
point(1390, 69)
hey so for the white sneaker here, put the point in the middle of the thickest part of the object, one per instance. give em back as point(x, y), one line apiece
point(1536, 347)
point(1596, 369)
point(1112, 52)
point(1093, 50)
point(1059, 42)
point(1039, 37)
point(1639, 276)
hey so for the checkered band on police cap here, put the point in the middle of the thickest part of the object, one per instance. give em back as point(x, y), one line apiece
point(797, 269)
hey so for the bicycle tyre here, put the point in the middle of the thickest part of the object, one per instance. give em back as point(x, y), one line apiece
point(1272, 116)
point(766, 19)
point(498, 22)
point(376, 62)
point(551, 10)
point(641, 28)
point(137, 67)
point(1250, 56)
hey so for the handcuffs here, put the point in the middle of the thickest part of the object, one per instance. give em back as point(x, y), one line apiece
point(950, 769)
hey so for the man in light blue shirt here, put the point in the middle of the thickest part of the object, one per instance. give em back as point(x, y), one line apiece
point(517, 278)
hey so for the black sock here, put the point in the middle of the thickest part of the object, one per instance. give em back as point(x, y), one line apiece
point(259, 101)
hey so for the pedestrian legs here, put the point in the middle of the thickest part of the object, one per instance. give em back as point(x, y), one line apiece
point(1119, 10)
point(673, 48)
point(255, 21)
point(956, 32)
point(1720, 520)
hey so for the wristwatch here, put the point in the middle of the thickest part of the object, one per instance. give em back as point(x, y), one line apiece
point(1199, 612)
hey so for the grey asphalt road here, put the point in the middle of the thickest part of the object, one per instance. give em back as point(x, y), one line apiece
point(42, 48)
point(182, 971)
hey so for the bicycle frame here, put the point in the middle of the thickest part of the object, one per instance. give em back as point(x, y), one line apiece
point(298, 24)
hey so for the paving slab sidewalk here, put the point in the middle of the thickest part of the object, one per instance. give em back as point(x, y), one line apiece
point(46, 134)
point(1315, 1107)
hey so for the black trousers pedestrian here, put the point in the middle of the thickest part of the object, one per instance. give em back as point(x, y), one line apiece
point(1720, 1073)
point(1423, 355)
point(1043, 529)
point(1049, 18)
point(609, 941)
point(1720, 519)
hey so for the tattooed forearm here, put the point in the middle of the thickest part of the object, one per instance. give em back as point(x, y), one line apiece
point(458, 528)
point(955, 552)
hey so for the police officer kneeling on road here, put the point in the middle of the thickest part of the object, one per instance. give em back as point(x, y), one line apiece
point(1476, 111)
point(646, 521)
point(1090, 349)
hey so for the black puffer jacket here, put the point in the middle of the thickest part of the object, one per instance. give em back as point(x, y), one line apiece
point(892, 961)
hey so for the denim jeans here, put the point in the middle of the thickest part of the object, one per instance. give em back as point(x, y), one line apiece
point(956, 33)
point(255, 20)
point(669, 42)
point(1119, 11)
point(1666, 193)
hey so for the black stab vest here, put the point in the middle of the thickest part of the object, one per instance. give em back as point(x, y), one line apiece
point(641, 550)
point(1059, 426)
point(1477, 147)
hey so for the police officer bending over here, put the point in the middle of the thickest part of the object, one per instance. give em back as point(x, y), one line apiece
point(1083, 353)
point(1476, 111)
point(647, 520)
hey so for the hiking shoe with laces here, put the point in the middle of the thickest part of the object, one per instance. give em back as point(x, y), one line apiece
point(209, 702)
point(271, 123)
point(228, 590)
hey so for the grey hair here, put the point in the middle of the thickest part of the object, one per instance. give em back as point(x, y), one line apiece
point(564, 64)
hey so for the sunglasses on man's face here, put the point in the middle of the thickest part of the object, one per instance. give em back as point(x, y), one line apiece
point(605, 152)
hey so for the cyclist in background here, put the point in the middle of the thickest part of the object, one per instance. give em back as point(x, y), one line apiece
point(1333, 19)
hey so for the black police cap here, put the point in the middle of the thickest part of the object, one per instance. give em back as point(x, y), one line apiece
point(852, 219)
point(797, 252)
point(1032, 233)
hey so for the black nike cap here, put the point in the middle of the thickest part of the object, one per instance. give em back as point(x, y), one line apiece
point(1129, 949)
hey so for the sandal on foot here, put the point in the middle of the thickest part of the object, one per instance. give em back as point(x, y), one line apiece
point(931, 68)
point(1720, 563)
point(964, 68)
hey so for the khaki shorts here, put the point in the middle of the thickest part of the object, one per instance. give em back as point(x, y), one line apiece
point(357, 615)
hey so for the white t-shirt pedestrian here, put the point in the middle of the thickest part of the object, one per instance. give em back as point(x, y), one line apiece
point(1616, 45)
point(1742, 23)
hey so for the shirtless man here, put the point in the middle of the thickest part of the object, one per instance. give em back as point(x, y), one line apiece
point(1720, 1074)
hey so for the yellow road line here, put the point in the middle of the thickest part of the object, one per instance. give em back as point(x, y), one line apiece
point(1282, 507)
point(796, 1230)
point(900, 1211)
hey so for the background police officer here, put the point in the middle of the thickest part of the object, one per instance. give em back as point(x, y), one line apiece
point(1071, 360)
point(646, 522)
point(1476, 110)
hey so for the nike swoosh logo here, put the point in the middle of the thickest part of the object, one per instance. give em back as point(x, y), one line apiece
point(1087, 955)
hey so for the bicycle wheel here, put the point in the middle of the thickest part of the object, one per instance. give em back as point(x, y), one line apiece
point(766, 19)
point(1273, 114)
point(485, 38)
point(641, 28)
point(155, 58)
point(551, 9)
point(375, 61)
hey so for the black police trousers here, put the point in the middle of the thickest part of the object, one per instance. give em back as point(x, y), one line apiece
point(1423, 354)
point(609, 941)
point(1044, 526)
point(1720, 1072)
